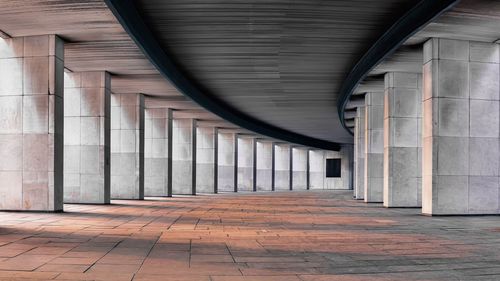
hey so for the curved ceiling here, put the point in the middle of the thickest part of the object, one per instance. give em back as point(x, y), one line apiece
point(276, 65)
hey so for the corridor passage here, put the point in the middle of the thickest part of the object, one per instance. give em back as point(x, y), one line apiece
point(281, 236)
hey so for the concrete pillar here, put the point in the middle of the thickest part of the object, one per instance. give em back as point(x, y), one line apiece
point(235, 171)
point(216, 160)
point(273, 166)
point(205, 159)
point(127, 146)
point(316, 169)
point(290, 167)
point(184, 157)
point(156, 152)
point(245, 163)
point(254, 164)
point(402, 140)
point(374, 147)
point(460, 154)
point(87, 106)
point(264, 165)
point(344, 181)
point(226, 165)
point(308, 169)
point(282, 167)
point(359, 154)
point(170, 148)
point(31, 123)
point(299, 170)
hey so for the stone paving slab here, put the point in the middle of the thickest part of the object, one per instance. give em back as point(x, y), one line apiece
point(285, 236)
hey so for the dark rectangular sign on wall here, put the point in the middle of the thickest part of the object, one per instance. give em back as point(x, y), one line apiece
point(333, 168)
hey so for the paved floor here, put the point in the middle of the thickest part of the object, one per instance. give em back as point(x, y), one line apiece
point(292, 236)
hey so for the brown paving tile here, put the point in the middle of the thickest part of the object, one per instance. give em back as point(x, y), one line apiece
point(307, 236)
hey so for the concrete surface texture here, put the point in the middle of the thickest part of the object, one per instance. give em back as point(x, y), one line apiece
point(460, 127)
point(31, 123)
point(87, 110)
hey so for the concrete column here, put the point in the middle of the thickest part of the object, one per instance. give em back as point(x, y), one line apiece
point(245, 163)
point(299, 175)
point(460, 154)
point(235, 173)
point(87, 106)
point(31, 123)
point(156, 152)
point(205, 159)
point(316, 169)
point(344, 181)
point(183, 164)
point(359, 154)
point(254, 165)
point(290, 168)
point(264, 165)
point(273, 167)
point(127, 146)
point(402, 144)
point(216, 160)
point(226, 165)
point(374, 147)
point(282, 167)
point(170, 148)
point(308, 171)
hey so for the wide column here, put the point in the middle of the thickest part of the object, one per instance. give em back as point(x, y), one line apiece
point(299, 170)
point(127, 146)
point(402, 144)
point(225, 175)
point(245, 163)
point(374, 147)
point(156, 152)
point(87, 106)
point(359, 154)
point(282, 167)
point(205, 147)
point(184, 157)
point(31, 123)
point(264, 165)
point(460, 154)
point(316, 169)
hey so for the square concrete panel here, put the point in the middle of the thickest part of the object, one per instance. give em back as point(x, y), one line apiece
point(72, 130)
point(11, 114)
point(35, 114)
point(484, 119)
point(36, 46)
point(12, 48)
point(35, 152)
point(483, 195)
point(92, 102)
point(453, 49)
point(11, 77)
point(452, 195)
point(484, 81)
point(71, 159)
point(36, 75)
point(453, 156)
point(90, 130)
point(72, 102)
point(453, 117)
point(484, 160)
point(484, 52)
point(404, 132)
point(11, 152)
point(128, 141)
point(453, 79)
point(90, 155)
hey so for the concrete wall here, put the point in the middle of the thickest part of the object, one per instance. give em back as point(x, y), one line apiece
point(226, 162)
point(402, 140)
point(299, 159)
point(374, 147)
point(245, 164)
point(264, 165)
point(182, 156)
point(156, 152)
point(317, 163)
point(87, 100)
point(127, 146)
point(359, 154)
point(31, 123)
point(205, 147)
point(282, 167)
point(317, 169)
point(461, 127)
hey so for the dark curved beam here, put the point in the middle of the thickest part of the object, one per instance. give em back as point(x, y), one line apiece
point(410, 23)
point(128, 16)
